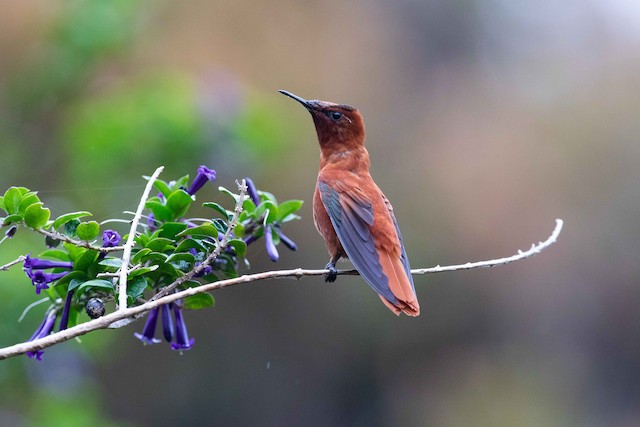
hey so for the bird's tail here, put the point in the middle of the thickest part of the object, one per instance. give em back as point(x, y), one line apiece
point(400, 285)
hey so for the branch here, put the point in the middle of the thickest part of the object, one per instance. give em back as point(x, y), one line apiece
point(8, 265)
point(126, 256)
point(132, 312)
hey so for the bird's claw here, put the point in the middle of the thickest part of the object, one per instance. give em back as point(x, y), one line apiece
point(332, 275)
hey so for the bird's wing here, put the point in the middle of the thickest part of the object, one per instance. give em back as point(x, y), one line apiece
point(351, 213)
point(403, 255)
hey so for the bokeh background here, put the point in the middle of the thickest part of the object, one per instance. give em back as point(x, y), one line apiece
point(486, 120)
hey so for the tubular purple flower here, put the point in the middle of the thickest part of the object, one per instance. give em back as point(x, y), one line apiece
point(286, 241)
point(148, 333)
point(271, 247)
point(167, 322)
point(182, 342)
point(41, 264)
point(43, 330)
point(64, 319)
point(151, 223)
point(253, 192)
point(204, 174)
point(250, 239)
point(11, 231)
point(110, 239)
point(41, 280)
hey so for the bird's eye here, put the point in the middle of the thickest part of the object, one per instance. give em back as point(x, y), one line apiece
point(336, 115)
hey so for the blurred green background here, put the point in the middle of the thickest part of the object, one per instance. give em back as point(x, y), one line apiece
point(486, 120)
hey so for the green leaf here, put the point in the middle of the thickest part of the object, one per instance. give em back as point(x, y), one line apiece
point(287, 208)
point(248, 206)
point(12, 198)
point(160, 212)
point(169, 230)
point(12, 218)
point(143, 270)
point(74, 251)
point(187, 244)
point(55, 253)
point(63, 219)
point(220, 225)
point(219, 209)
point(140, 239)
point(155, 257)
point(265, 195)
point(139, 255)
point(181, 182)
point(35, 216)
point(111, 263)
point(27, 200)
point(230, 193)
point(69, 228)
point(179, 202)
point(239, 230)
point(198, 301)
point(86, 260)
point(162, 187)
point(88, 230)
point(158, 244)
point(80, 276)
point(2, 203)
point(269, 210)
point(136, 287)
point(181, 256)
point(207, 230)
point(102, 285)
point(170, 270)
point(182, 261)
point(239, 246)
point(74, 283)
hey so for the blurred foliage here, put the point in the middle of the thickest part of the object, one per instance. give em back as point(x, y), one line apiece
point(86, 32)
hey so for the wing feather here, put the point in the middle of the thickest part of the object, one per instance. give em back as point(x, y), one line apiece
point(351, 217)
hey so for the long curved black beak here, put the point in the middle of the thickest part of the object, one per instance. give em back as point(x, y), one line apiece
point(309, 105)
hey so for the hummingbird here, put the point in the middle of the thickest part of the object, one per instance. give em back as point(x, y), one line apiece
point(350, 211)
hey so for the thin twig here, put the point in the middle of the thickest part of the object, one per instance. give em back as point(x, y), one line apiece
point(126, 255)
point(535, 249)
point(8, 265)
point(132, 312)
point(242, 190)
point(82, 244)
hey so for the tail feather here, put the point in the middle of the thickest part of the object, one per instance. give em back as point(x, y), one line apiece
point(400, 286)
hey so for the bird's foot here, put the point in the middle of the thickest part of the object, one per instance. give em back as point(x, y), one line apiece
point(332, 275)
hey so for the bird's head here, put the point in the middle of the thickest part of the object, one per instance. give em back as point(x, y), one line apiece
point(338, 126)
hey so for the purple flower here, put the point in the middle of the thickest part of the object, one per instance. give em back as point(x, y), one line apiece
point(271, 247)
point(182, 342)
point(206, 271)
point(11, 231)
point(204, 174)
point(286, 241)
point(148, 333)
point(110, 239)
point(41, 280)
point(250, 239)
point(253, 192)
point(41, 264)
point(167, 322)
point(151, 223)
point(64, 319)
point(43, 330)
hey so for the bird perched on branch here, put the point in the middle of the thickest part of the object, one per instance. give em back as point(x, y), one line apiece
point(350, 212)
